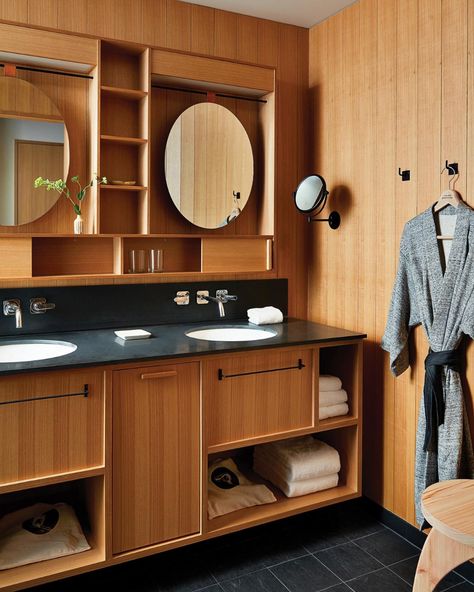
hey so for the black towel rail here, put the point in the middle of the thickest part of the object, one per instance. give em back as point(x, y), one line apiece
point(84, 393)
point(221, 375)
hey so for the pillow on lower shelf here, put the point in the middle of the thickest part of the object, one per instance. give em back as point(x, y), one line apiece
point(38, 533)
point(229, 490)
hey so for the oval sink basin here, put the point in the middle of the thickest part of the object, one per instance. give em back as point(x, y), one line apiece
point(231, 334)
point(34, 349)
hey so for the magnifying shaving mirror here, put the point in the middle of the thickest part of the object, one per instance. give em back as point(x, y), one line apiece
point(310, 198)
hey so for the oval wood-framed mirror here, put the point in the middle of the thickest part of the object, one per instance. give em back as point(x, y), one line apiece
point(33, 142)
point(209, 165)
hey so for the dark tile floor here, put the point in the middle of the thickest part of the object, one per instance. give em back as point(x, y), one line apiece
point(338, 549)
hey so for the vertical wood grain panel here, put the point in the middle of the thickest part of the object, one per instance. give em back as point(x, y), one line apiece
point(14, 11)
point(202, 29)
point(178, 25)
point(154, 29)
point(43, 13)
point(225, 34)
point(247, 38)
point(267, 43)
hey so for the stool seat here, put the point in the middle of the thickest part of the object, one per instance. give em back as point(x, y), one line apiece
point(449, 507)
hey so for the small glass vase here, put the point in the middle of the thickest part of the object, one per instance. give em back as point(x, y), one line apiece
point(78, 224)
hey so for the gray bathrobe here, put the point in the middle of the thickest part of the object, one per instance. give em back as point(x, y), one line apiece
point(444, 305)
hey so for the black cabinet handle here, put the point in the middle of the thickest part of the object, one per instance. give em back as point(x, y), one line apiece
point(84, 393)
point(221, 375)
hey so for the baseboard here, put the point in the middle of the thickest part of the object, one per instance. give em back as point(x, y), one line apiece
point(411, 533)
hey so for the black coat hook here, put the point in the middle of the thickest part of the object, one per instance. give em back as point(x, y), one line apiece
point(405, 175)
point(452, 168)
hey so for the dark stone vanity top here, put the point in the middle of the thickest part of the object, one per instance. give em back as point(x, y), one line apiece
point(101, 346)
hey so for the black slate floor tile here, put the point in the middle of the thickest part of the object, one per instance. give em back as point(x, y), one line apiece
point(406, 570)
point(387, 547)
point(348, 561)
point(244, 557)
point(339, 588)
point(260, 581)
point(304, 575)
point(464, 587)
point(380, 581)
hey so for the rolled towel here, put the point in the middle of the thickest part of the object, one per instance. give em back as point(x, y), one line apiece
point(262, 458)
point(296, 488)
point(267, 315)
point(301, 458)
point(333, 410)
point(332, 397)
point(329, 383)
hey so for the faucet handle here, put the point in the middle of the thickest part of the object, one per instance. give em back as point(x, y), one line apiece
point(225, 296)
point(182, 298)
point(40, 305)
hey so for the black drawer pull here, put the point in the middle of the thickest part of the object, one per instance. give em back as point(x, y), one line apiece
point(221, 375)
point(85, 393)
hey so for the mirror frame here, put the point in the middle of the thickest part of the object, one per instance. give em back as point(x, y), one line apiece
point(320, 200)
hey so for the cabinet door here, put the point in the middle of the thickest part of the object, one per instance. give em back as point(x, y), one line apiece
point(44, 431)
point(257, 394)
point(156, 455)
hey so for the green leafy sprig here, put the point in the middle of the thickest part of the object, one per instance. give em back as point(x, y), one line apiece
point(61, 187)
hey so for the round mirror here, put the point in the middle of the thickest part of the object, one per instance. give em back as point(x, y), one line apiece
point(311, 194)
point(33, 143)
point(209, 165)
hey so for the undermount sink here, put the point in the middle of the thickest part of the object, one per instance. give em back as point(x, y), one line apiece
point(34, 349)
point(231, 334)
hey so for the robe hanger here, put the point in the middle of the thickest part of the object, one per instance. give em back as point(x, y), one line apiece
point(449, 197)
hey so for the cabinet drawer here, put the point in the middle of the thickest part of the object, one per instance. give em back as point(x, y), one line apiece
point(44, 433)
point(257, 395)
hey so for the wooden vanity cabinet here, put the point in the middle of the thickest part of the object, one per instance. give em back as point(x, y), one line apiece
point(156, 455)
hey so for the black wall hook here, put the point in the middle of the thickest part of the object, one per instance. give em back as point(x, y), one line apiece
point(405, 175)
point(452, 168)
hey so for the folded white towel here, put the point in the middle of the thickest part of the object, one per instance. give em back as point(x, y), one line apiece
point(267, 315)
point(296, 488)
point(329, 383)
point(333, 410)
point(332, 397)
point(301, 458)
point(267, 459)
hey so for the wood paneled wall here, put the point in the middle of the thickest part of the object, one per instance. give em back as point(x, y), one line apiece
point(178, 25)
point(391, 85)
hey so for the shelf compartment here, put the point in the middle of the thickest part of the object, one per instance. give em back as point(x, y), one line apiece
point(119, 116)
point(123, 212)
point(122, 161)
point(16, 257)
point(123, 93)
point(72, 256)
point(343, 361)
point(122, 140)
point(87, 498)
point(347, 444)
point(122, 66)
point(236, 254)
point(179, 255)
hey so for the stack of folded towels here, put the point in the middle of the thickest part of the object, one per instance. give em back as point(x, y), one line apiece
point(298, 466)
point(268, 315)
point(332, 397)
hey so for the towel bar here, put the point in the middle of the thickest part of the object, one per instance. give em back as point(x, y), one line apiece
point(84, 393)
point(221, 375)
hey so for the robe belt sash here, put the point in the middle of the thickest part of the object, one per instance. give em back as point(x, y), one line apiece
point(433, 393)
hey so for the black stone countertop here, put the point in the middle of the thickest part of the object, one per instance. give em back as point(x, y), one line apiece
point(102, 346)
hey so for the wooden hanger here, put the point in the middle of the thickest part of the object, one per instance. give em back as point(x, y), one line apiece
point(449, 197)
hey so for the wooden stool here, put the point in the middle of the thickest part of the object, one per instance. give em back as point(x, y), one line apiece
point(449, 508)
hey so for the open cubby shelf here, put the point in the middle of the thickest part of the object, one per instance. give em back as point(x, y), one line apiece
point(347, 443)
point(87, 497)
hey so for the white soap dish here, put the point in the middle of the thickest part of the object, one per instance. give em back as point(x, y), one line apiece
point(128, 334)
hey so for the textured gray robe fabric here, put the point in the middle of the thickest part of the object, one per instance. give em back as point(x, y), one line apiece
point(444, 305)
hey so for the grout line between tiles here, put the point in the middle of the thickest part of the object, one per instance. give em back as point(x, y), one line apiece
point(329, 569)
point(277, 578)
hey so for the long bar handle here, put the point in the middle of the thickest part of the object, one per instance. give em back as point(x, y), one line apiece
point(221, 375)
point(164, 374)
point(84, 393)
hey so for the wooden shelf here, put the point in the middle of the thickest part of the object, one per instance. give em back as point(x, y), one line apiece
point(123, 140)
point(113, 187)
point(124, 93)
point(282, 508)
point(334, 423)
point(60, 478)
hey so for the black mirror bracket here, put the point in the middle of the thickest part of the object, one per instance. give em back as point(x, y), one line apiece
point(334, 220)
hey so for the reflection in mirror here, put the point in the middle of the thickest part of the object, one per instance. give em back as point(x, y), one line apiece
point(33, 140)
point(209, 165)
point(311, 193)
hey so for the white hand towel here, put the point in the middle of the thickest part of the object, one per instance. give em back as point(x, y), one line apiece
point(302, 458)
point(267, 459)
point(327, 398)
point(333, 410)
point(296, 488)
point(329, 383)
point(267, 315)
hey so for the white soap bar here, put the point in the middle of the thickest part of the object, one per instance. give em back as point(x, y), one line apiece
point(128, 334)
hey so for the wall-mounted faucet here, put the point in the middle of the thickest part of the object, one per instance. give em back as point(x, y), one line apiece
point(221, 298)
point(13, 307)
